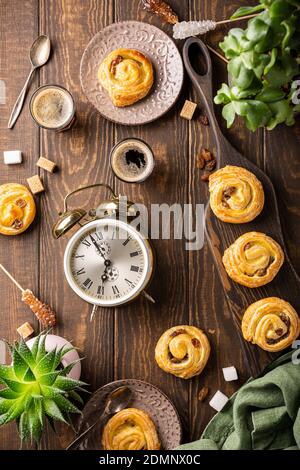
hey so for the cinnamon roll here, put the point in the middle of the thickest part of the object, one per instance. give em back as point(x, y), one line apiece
point(182, 351)
point(236, 195)
point(271, 323)
point(253, 260)
point(127, 75)
point(17, 208)
point(130, 429)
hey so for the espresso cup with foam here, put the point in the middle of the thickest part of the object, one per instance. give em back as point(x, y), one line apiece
point(52, 107)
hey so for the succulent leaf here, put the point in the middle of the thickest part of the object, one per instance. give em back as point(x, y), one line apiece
point(6, 372)
point(65, 405)
point(53, 410)
point(7, 393)
point(75, 396)
point(26, 353)
point(66, 383)
point(20, 366)
point(49, 379)
point(46, 363)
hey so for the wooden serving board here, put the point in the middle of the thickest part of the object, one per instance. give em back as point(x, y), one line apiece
point(220, 235)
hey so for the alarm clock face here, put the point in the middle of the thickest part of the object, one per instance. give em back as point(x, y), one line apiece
point(108, 263)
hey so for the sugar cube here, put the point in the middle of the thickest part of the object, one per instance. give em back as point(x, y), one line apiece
point(12, 157)
point(188, 110)
point(46, 164)
point(230, 373)
point(25, 330)
point(218, 401)
point(35, 184)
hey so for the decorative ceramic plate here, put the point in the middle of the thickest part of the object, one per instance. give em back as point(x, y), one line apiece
point(145, 397)
point(166, 61)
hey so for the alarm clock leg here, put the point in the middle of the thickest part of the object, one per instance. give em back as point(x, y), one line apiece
point(95, 308)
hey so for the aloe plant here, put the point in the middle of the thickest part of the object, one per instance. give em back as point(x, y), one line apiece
point(36, 387)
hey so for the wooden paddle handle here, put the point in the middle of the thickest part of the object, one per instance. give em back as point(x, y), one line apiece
point(203, 84)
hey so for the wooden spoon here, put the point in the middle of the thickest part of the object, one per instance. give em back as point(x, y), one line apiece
point(220, 235)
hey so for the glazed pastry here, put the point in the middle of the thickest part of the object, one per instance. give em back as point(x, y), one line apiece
point(253, 260)
point(130, 429)
point(17, 208)
point(182, 351)
point(127, 75)
point(271, 323)
point(236, 195)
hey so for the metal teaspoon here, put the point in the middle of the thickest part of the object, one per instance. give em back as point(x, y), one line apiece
point(116, 401)
point(39, 55)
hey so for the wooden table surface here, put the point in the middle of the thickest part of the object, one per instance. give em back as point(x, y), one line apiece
point(120, 343)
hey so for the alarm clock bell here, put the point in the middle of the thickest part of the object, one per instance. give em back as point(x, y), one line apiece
point(108, 208)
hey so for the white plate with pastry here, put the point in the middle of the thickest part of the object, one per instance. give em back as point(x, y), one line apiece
point(132, 72)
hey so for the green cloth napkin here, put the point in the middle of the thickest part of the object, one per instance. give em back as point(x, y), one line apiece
point(263, 414)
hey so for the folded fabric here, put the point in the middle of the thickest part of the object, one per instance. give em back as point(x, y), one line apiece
point(263, 414)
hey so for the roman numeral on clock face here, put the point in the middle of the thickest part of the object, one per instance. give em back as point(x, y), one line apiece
point(100, 290)
point(135, 269)
point(134, 253)
point(130, 283)
point(86, 243)
point(99, 235)
point(127, 241)
point(115, 290)
point(88, 283)
point(81, 271)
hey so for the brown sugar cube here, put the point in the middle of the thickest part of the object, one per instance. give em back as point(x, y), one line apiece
point(35, 184)
point(25, 330)
point(188, 110)
point(46, 164)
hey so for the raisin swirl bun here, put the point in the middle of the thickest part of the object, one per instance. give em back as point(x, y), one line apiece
point(17, 208)
point(253, 260)
point(182, 351)
point(127, 75)
point(130, 429)
point(271, 323)
point(236, 195)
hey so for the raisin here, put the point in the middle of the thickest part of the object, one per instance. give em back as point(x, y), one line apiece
point(178, 332)
point(200, 162)
point(261, 272)
point(279, 331)
point(17, 224)
point(21, 203)
point(205, 177)
point(196, 343)
point(114, 64)
point(227, 193)
point(207, 155)
point(204, 120)
point(211, 165)
point(203, 393)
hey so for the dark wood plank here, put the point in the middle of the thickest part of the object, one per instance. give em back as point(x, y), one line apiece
point(208, 307)
point(81, 155)
point(283, 166)
point(18, 254)
point(139, 326)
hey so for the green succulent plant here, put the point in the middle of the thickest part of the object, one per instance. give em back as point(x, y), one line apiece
point(36, 387)
point(264, 60)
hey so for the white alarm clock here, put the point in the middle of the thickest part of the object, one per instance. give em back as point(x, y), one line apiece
point(107, 262)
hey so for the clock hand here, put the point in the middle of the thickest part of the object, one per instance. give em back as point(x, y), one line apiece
point(107, 262)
